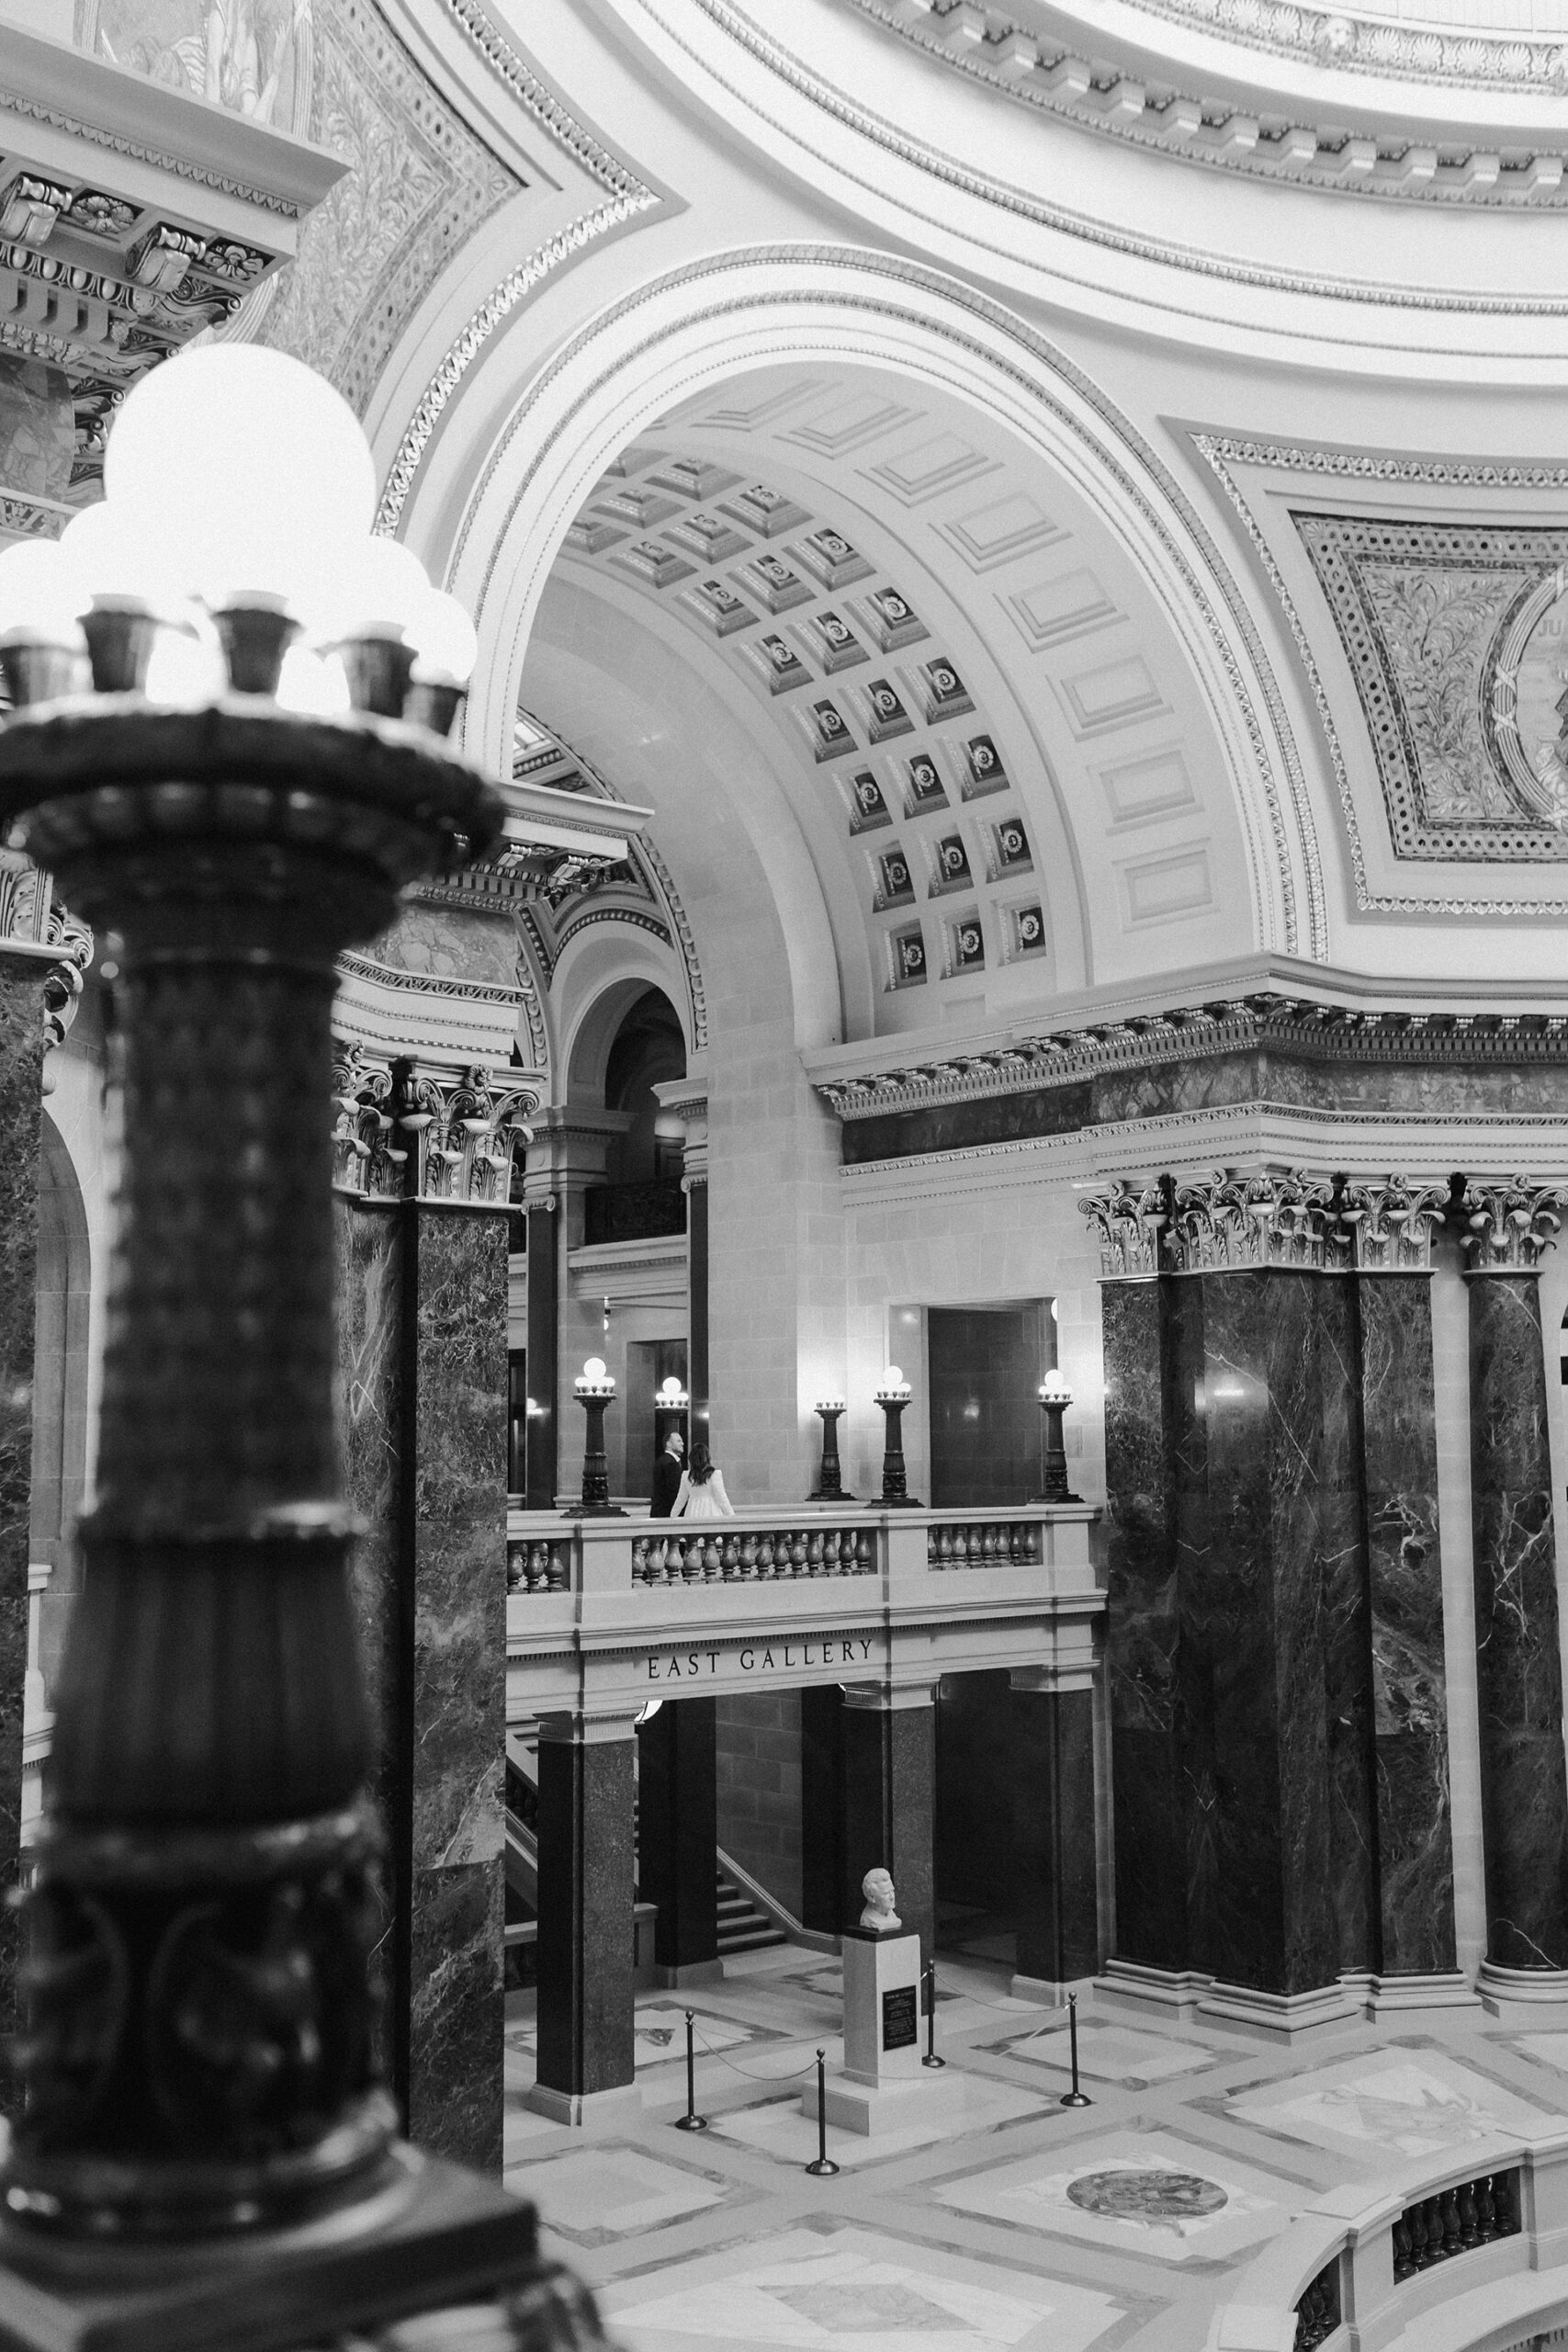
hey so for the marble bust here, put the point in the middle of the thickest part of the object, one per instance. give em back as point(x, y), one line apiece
point(879, 1917)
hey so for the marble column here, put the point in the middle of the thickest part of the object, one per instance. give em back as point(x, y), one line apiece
point(542, 1440)
point(1052, 1746)
point(422, 1295)
point(585, 2009)
point(889, 1801)
point(23, 974)
point(1523, 1782)
point(1414, 1841)
point(1148, 1780)
point(677, 1838)
point(822, 1873)
point(458, 1683)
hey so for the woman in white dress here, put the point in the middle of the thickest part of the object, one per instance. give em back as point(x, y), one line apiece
point(701, 1492)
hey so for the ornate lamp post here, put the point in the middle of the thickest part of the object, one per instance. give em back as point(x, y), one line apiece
point(234, 782)
point(670, 1406)
point(893, 1395)
point(596, 1392)
point(1054, 1399)
point(829, 1485)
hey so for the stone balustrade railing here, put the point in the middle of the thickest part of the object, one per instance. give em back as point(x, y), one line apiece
point(1470, 2251)
point(548, 1554)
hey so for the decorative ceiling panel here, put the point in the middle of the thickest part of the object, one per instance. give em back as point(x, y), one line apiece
point(1457, 638)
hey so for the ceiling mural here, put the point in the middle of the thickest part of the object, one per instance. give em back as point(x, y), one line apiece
point(877, 705)
point(1457, 637)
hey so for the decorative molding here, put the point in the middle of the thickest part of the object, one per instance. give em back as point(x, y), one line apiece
point(161, 159)
point(1372, 45)
point(1141, 464)
point(1439, 623)
point(1360, 465)
point(1095, 93)
point(1225, 1221)
point(462, 353)
point(1025, 205)
point(544, 106)
point(1393, 1224)
point(407, 1130)
point(388, 975)
point(1511, 1224)
point(1194, 1032)
point(1128, 1219)
point(1219, 452)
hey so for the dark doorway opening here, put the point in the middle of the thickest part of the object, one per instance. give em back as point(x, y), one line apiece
point(985, 1365)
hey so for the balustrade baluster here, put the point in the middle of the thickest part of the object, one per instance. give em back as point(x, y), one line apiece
point(713, 1557)
point(1469, 2221)
point(989, 1543)
point(1404, 2257)
point(1432, 2215)
point(798, 1551)
point(1505, 2203)
point(729, 1562)
point(1448, 2207)
point(865, 1552)
point(640, 1559)
point(765, 1556)
point(934, 1549)
point(1485, 2210)
point(538, 1566)
point(814, 1554)
point(749, 1556)
point(558, 1565)
point(1416, 2218)
point(515, 1570)
point(944, 1546)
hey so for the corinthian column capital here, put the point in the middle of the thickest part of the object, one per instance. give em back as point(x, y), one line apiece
point(1277, 1218)
point(406, 1130)
point(1128, 1219)
point(1392, 1224)
point(1510, 1223)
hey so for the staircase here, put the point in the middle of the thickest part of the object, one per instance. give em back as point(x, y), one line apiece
point(741, 1927)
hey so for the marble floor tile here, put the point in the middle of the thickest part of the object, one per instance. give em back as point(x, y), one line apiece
point(1543, 2049)
point(782, 2130)
point(1109, 2053)
point(594, 2193)
point(1410, 2104)
point(855, 2291)
point(1138, 2193)
point(660, 2036)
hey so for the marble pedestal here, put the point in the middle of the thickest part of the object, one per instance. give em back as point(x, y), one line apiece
point(882, 2082)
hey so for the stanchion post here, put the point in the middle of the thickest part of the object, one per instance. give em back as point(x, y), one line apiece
point(931, 2058)
point(824, 2162)
point(691, 2120)
point(1075, 2098)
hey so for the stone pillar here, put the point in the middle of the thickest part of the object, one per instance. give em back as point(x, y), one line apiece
point(585, 2049)
point(889, 1801)
point(1146, 1780)
point(1052, 1746)
point(1523, 1784)
point(422, 1320)
point(1414, 1938)
point(678, 1836)
point(543, 1438)
point(822, 1872)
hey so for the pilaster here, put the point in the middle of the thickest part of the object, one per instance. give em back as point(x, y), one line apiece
point(889, 1797)
point(1524, 1785)
point(586, 2065)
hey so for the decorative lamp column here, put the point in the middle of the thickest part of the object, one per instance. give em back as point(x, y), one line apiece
point(1054, 1399)
point(596, 1392)
point(893, 1395)
point(243, 793)
point(829, 1487)
point(672, 1404)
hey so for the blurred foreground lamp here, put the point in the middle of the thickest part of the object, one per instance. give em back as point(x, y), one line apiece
point(228, 747)
point(830, 1485)
point(893, 1395)
point(1054, 1398)
point(596, 1392)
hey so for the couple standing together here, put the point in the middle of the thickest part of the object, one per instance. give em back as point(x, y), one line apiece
point(682, 1492)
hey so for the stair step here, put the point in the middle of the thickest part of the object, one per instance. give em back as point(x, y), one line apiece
point(756, 1938)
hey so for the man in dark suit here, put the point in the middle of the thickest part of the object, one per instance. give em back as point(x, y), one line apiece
point(667, 1476)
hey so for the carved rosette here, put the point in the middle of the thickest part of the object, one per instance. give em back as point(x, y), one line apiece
point(1128, 1222)
point(406, 1130)
point(1510, 1223)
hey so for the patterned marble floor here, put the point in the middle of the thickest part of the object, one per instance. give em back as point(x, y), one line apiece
point(1004, 2219)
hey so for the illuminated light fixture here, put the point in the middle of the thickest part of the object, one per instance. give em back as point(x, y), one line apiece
point(596, 1392)
point(671, 1397)
point(1055, 1396)
point(893, 1395)
point(223, 563)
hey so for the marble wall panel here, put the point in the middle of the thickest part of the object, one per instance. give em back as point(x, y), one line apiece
point(1524, 1797)
point(889, 1790)
point(1197, 1841)
point(1053, 1819)
point(21, 1100)
point(369, 1266)
point(1414, 1843)
point(1147, 1780)
point(1254, 1608)
point(1331, 1401)
point(458, 1685)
